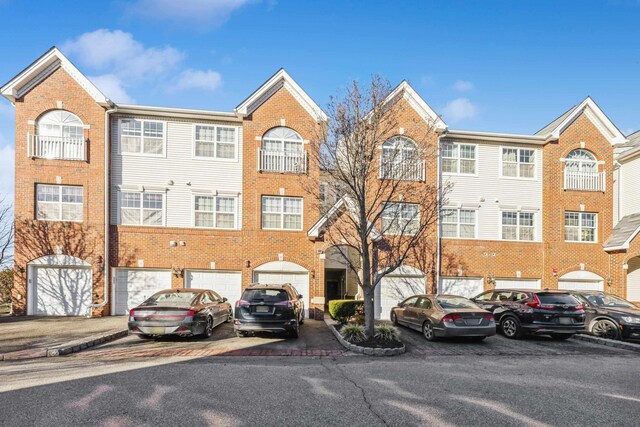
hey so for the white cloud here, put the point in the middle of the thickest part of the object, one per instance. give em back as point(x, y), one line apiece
point(459, 109)
point(112, 87)
point(198, 79)
point(199, 13)
point(7, 167)
point(462, 86)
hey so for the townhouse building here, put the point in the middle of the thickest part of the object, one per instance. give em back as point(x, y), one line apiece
point(114, 201)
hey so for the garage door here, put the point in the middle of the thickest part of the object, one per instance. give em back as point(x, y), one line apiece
point(464, 286)
point(299, 280)
point(133, 286)
point(60, 291)
point(227, 284)
point(517, 284)
point(393, 289)
point(581, 285)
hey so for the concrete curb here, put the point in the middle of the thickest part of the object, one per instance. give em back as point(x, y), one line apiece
point(66, 348)
point(363, 350)
point(608, 342)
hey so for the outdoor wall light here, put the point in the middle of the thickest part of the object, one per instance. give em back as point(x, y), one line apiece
point(247, 264)
point(177, 272)
point(491, 279)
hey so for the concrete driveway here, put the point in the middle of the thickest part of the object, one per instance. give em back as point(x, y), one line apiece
point(28, 332)
point(315, 340)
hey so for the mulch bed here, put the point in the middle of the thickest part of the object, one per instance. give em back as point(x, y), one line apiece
point(375, 342)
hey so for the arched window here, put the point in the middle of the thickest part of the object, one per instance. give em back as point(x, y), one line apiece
point(282, 151)
point(581, 161)
point(399, 149)
point(400, 160)
point(60, 124)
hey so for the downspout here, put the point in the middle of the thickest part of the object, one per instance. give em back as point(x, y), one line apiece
point(107, 192)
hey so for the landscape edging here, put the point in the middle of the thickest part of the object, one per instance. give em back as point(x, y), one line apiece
point(363, 350)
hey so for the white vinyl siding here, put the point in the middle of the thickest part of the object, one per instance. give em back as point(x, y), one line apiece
point(459, 223)
point(518, 225)
point(215, 142)
point(179, 173)
point(281, 213)
point(141, 208)
point(459, 158)
point(518, 162)
point(580, 227)
point(214, 211)
point(142, 137)
point(59, 203)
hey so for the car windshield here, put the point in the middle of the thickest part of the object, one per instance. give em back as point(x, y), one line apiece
point(172, 298)
point(560, 299)
point(607, 300)
point(265, 295)
point(455, 302)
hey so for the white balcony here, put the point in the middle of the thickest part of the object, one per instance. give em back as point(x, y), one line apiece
point(585, 181)
point(405, 171)
point(56, 147)
point(282, 161)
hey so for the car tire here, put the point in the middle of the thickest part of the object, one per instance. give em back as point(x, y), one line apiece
point(144, 336)
point(605, 328)
point(301, 320)
point(428, 332)
point(229, 318)
point(394, 318)
point(208, 328)
point(510, 327)
point(561, 337)
point(242, 334)
point(295, 332)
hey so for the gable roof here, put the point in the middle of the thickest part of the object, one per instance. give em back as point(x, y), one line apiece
point(40, 69)
point(344, 203)
point(280, 79)
point(594, 113)
point(418, 104)
point(623, 233)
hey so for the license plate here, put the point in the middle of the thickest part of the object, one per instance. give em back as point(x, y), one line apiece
point(262, 309)
point(473, 322)
point(157, 330)
point(566, 321)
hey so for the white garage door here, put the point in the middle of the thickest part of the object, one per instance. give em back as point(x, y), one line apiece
point(517, 284)
point(463, 286)
point(581, 285)
point(393, 289)
point(60, 291)
point(133, 286)
point(227, 284)
point(299, 280)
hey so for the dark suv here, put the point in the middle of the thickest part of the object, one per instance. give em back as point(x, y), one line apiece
point(609, 316)
point(269, 308)
point(520, 311)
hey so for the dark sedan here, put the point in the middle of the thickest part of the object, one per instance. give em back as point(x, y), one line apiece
point(444, 316)
point(609, 316)
point(183, 312)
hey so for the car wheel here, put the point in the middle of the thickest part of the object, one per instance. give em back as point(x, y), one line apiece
point(301, 320)
point(428, 332)
point(208, 328)
point(561, 337)
point(394, 318)
point(605, 328)
point(510, 327)
point(241, 334)
point(294, 333)
point(229, 317)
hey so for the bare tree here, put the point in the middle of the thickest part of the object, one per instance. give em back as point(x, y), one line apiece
point(381, 163)
point(6, 233)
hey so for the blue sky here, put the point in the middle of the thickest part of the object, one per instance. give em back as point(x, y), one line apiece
point(499, 66)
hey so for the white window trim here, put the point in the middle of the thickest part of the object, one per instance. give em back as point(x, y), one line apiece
point(535, 163)
point(215, 158)
point(142, 154)
point(215, 196)
point(60, 203)
point(475, 228)
point(389, 233)
point(476, 152)
point(164, 207)
point(535, 227)
point(282, 213)
point(595, 234)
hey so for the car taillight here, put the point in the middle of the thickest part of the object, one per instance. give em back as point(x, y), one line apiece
point(288, 304)
point(242, 303)
point(535, 303)
point(132, 313)
point(579, 307)
point(451, 318)
point(190, 313)
point(488, 316)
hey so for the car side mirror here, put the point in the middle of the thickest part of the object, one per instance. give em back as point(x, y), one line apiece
point(400, 304)
point(299, 296)
point(224, 299)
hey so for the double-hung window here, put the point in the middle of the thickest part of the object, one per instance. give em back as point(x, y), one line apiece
point(518, 162)
point(401, 218)
point(281, 213)
point(141, 208)
point(59, 203)
point(459, 158)
point(518, 225)
point(215, 211)
point(144, 137)
point(215, 142)
point(580, 227)
point(459, 223)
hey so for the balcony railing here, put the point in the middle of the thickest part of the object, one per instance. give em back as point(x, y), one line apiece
point(406, 171)
point(585, 181)
point(282, 161)
point(56, 147)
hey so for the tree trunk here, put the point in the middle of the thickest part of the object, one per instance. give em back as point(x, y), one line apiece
point(369, 310)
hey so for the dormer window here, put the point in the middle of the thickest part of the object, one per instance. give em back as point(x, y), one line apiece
point(59, 135)
point(581, 172)
point(400, 160)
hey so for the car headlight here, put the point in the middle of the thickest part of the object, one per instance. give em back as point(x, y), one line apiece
point(629, 319)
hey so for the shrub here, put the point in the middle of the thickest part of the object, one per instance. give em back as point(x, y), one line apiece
point(341, 310)
point(6, 283)
point(353, 333)
point(386, 333)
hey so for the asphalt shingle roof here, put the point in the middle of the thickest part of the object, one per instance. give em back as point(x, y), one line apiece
point(554, 124)
point(623, 230)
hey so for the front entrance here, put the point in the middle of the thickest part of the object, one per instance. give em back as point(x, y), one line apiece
point(334, 285)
